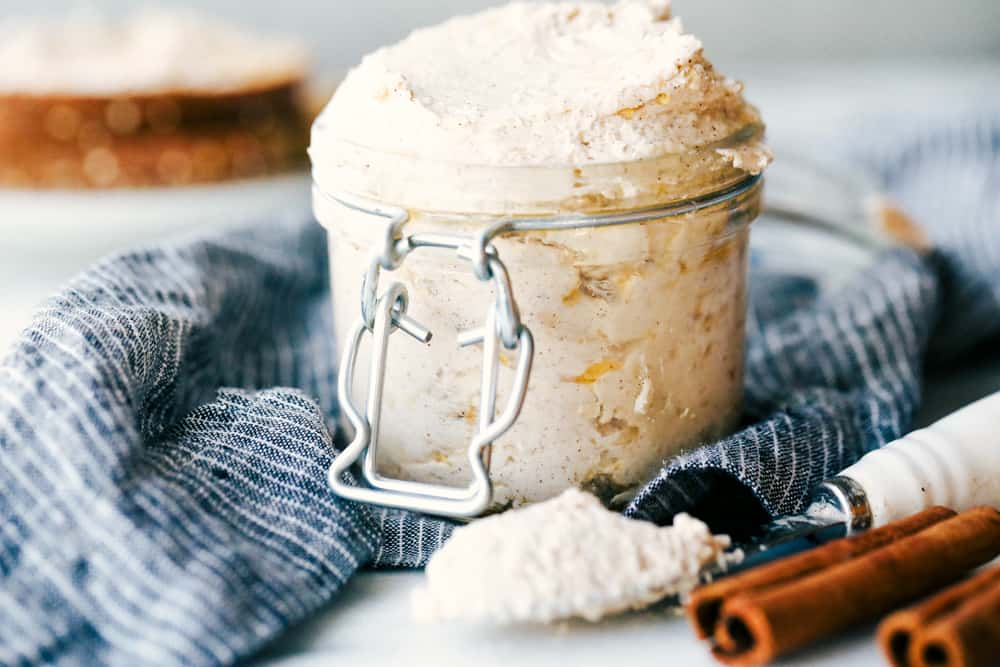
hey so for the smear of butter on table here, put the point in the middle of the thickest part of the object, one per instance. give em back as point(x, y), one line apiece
point(563, 558)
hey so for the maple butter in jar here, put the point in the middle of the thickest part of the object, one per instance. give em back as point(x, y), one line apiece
point(579, 193)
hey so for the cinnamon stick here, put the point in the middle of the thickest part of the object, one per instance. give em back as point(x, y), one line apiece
point(706, 601)
point(968, 638)
point(758, 626)
point(898, 633)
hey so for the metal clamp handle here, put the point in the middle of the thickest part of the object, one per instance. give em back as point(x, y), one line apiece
point(382, 315)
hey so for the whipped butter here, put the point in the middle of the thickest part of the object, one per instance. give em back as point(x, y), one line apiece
point(550, 109)
point(567, 557)
point(542, 84)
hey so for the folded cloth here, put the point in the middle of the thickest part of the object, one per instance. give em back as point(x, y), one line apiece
point(165, 423)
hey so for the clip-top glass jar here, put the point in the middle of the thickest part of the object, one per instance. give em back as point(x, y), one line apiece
point(588, 322)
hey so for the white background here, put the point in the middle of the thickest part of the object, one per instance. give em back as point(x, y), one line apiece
point(733, 30)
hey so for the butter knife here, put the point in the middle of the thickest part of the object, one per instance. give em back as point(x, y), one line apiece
point(954, 462)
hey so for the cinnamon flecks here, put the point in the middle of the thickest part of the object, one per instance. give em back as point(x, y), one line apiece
point(958, 627)
point(755, 625)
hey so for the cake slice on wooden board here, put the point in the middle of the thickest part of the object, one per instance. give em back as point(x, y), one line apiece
point(161, 98)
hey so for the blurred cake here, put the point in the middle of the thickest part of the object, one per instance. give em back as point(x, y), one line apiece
point(161, 98)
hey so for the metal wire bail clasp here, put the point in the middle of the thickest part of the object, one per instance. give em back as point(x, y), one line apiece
point(384, 314)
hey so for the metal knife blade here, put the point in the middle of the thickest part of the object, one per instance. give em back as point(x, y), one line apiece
point(838, 509)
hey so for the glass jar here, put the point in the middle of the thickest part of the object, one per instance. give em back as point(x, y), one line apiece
point(627, 281)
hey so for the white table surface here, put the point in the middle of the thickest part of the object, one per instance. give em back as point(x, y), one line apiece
point(370, 626)
point(48, 237)
point(369, 622)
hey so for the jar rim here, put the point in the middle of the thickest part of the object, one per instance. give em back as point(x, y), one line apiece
point(560, 222)
point(428, 184)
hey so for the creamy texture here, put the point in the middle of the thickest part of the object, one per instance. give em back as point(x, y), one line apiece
point(545, 84)
point(151, 52)
point(567, 557)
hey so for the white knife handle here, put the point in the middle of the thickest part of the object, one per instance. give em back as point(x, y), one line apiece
point(954, 462)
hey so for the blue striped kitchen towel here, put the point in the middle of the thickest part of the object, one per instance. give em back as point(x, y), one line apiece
point(165, 422)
